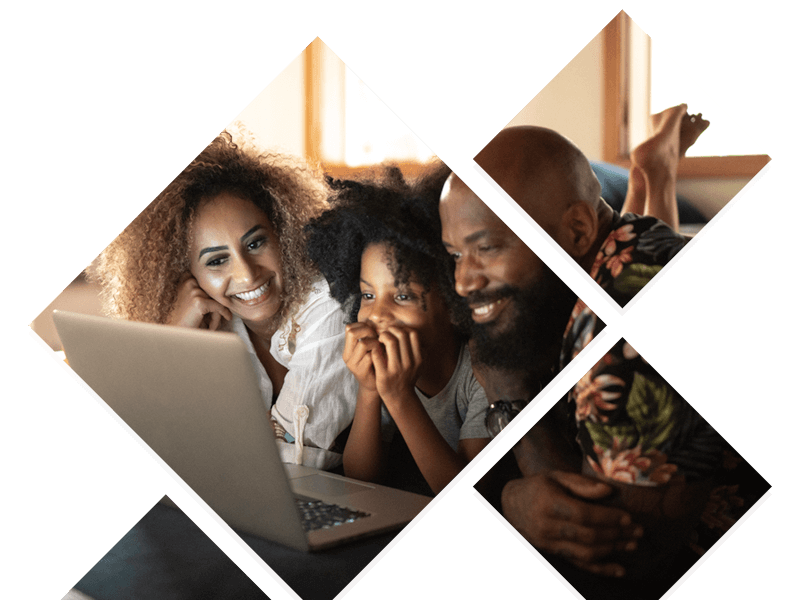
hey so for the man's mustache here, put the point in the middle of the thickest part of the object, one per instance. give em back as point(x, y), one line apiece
point(480, 297)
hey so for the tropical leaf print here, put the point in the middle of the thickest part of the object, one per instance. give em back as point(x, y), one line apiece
point(635, 277)
point(653, 407)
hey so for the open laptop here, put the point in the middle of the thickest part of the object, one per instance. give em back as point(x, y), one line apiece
point(193, 397)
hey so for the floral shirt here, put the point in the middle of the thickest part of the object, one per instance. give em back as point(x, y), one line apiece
point(633, 427)
point(630, 424)
point(634, 252)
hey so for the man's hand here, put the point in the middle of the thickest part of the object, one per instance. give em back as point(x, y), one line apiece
point(194, 308)
point(555, 512)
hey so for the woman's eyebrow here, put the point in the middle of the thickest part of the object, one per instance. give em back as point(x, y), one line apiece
point(251, 231)
point(210, 249)
point(215, 248)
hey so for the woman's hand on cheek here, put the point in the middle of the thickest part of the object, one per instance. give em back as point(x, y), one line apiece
point(397, 361)
point(194, 308)
point(361, 340)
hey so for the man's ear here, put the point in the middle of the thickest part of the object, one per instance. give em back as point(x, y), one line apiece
point(578, 229)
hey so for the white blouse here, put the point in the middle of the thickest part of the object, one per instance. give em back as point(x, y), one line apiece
point(310, 345)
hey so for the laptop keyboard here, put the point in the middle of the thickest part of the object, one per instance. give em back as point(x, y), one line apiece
point(320, 515)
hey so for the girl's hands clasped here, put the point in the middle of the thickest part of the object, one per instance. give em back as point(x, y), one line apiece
point(386, 363)
point(396, 364)
point(361, 340)
point(194, 308)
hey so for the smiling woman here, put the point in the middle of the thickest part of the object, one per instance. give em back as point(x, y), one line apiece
point(223, 247)
point(239, 271)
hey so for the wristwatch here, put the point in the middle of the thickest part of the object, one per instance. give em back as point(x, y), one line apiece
point(500, 413)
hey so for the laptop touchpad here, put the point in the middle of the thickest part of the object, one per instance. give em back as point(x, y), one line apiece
point(323, 485)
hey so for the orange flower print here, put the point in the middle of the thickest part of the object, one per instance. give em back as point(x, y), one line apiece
point(615, 263)
point(592, 397)
point(597, 262)
point(622, 234)
point(632, 465)
point(578, 308)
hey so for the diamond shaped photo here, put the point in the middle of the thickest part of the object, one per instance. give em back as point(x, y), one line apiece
point(622, 486)
point(280, 326)
point(613, 172)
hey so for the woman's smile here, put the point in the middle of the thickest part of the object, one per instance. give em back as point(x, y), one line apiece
point(255, 294)
point(235, 257)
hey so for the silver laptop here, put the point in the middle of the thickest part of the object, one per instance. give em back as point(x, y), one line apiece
point(193, 397)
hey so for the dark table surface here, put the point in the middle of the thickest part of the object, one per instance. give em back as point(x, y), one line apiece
point(165, 556)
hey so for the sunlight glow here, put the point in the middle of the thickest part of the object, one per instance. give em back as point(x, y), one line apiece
point(373, 132)
point(671, 86)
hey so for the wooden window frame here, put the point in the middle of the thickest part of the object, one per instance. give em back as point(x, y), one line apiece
point(617, 91)
point(313, 125)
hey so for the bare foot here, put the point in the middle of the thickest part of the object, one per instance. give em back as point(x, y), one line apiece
point(652, 177)
point(635, 201)
point(692, 127)
point(656, 121)
point(661, 152)
point(657, 159)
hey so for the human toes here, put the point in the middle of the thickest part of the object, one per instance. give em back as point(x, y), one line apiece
point(695, 121)
point(692, 127)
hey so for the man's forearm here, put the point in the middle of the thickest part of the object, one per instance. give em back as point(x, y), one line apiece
point(541, 450)
point(544, 448)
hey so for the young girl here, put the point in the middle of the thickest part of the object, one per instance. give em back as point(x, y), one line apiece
point(380, 249)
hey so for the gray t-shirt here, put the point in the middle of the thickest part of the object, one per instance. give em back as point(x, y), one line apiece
point(458, 411)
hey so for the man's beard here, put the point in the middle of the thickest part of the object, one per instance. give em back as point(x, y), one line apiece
point(530, 340)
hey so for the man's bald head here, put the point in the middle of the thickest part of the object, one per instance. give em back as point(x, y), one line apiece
point(547, 176)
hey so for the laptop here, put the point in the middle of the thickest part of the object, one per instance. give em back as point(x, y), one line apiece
point(193, 397)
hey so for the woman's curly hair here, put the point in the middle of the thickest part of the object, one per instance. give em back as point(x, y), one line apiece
point(141, 269)
point(383, 208)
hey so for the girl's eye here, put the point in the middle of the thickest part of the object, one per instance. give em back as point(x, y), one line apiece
point(455, 256)
point(409, 297)
point(366, 296)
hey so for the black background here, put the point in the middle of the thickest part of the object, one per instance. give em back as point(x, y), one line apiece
point(112, 118)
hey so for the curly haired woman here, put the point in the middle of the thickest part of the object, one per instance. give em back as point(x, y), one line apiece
point(380, 249)
point(223, 247)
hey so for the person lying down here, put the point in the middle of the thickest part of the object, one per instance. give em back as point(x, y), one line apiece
point(379, 248)
point(223, 248)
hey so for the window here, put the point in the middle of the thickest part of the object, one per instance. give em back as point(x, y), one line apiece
point(347, 125)
point(639, 81)
point(317, 108)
